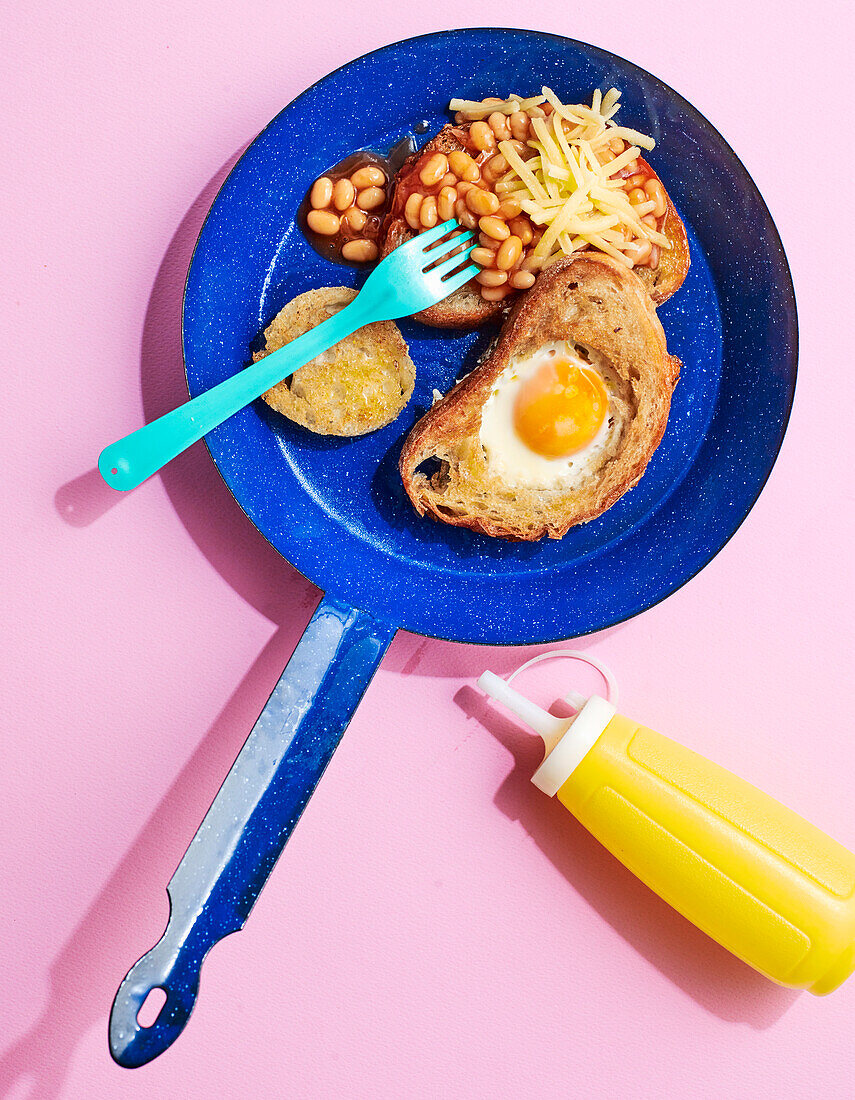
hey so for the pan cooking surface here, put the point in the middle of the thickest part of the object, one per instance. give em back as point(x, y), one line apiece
point(336, 508)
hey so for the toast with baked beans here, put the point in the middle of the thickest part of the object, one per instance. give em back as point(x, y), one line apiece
point(562, 417)
point(466, 307)
point(476, 172)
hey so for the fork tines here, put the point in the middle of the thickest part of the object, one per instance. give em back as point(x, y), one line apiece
point(448, 244)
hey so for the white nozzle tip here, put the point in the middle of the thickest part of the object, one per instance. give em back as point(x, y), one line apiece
point(491, 683)
point(550, 728)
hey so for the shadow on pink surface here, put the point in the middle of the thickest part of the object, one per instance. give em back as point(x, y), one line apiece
point(84, 499)
point(121, 924)
point(131, 911)
point(708, 973)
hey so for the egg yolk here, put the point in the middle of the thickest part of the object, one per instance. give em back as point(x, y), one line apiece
point(560, 408)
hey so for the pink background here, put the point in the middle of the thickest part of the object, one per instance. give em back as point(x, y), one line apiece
point(436, 925)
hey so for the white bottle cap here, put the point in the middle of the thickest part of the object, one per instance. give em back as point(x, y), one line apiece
point(574, 746)
point(567, 740)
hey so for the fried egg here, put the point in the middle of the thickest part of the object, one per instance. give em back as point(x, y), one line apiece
point(553, 418)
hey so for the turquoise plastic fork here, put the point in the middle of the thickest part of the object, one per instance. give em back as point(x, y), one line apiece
point(414, 276)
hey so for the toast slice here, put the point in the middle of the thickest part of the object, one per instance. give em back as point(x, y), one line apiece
point(465, 308)
point(590, 301)
point(359, 385)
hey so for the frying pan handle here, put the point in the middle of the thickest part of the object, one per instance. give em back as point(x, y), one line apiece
point(228, 861)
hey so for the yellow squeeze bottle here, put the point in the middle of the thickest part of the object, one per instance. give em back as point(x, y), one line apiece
point(760, 880)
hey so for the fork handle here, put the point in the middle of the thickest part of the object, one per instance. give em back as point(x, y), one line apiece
point(129, 461)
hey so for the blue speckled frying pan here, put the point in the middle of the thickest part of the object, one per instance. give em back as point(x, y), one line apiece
point(336, 508)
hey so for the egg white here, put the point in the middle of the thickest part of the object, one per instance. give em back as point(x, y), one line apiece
point(511, 460)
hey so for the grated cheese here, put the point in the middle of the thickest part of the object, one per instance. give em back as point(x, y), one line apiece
point(565, 189)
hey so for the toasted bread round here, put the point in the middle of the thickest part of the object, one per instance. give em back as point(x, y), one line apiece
point(590, 300)
point(359, 385)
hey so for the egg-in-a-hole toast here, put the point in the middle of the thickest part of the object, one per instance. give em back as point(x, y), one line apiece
point(562, 417)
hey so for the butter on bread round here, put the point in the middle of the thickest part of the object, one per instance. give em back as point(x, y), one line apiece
point(589, 300)
point(357, 386)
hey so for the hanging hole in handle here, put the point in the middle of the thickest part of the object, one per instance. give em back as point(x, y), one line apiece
point(151, 1007)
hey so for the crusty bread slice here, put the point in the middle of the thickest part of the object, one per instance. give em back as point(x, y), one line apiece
point(589, 300)
point(465, 308)
point(667, 278)
point(362, 383)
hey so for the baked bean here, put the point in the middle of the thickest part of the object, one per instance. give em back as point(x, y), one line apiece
point(492, 99)
point(486, 257)
point(494, 293)
point(650, 221)
point(482, 202)
point(510, 208)
point(427, 214)
point(323, 222)
point(494, 227)
point(482, 136)
point(634, 181)
point(637, 196)
point(520, 227)
point(434, 169)
point(370, 198)
point(521, 148)
point(360, 251)
point(369, 176)
point(547, 109)
point(411, 210)
point(460, 248)
point(463, 166)
point(519, 121)
point(656, 191)
point(488, 242)
point(500, 126)
point(617, 146)
point(354, 218)
point(496, 166)
point(343, 194)
point(604, 156)
point(321, 193)
point(509, 253)
point(653, 258)
point(638, 251)
point(531, 263)
point(464, 215)
point(459, 117)
point(632, 167)
point(445, 203)
point(522, 280)
point(448, 180)
point(491, 277)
